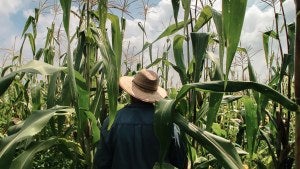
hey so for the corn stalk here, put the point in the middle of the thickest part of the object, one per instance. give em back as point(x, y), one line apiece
point(297, 82)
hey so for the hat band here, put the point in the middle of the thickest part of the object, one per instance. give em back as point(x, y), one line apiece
point(144, 88)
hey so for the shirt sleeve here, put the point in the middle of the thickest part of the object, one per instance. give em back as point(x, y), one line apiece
point(103, 156)
point(177, 151)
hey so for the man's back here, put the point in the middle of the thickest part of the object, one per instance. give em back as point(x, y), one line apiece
point(131, 142)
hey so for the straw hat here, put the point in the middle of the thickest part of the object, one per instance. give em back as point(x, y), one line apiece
point(143, 86)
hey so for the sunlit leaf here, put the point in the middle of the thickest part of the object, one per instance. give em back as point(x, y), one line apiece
point(39, 67)
point(204, 17)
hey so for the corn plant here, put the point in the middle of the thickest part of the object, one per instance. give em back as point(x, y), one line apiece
point(58, 112)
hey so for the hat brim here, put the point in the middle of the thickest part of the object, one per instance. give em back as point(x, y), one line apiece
point(126, 83)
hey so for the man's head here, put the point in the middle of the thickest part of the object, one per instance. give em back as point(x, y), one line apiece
point(143, 86)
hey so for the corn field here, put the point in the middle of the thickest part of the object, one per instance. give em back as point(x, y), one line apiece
point(51, 107)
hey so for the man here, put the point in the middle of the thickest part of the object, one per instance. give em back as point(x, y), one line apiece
point(131, 142)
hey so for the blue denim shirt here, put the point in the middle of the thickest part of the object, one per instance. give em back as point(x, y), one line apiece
point(131, 143)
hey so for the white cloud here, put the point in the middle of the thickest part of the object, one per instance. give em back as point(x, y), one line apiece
point(9, 6)
point(257, 20)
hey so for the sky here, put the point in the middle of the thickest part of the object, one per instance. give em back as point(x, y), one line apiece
point(14, 13)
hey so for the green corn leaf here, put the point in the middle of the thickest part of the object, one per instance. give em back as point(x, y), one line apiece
point(66, 7)
point(71, 146)
point(51, 99)
point(94, 127)
point(204, 17)
point(79, 51)
point(266, 37)
point(233, 13)
point(222, 149)
point(15, 128)
point(6, 81)
point(102, 11)
point(251, 124)
point(217, 17)
point(163, 126)
point(291, 50)
point(49, 37)
point(36, 97)
point(182, 73)
point(287, 61)
point(215, 100)
point(116, 41)
point(111, 70)
point(34, 28)
point(142, 28)
point(32, 126)
point(235, 86)
point(33, 66)
point(27, 24)
point(39, 67)
point(25, 159)
point(95, 69)
point(170, 30)
point(38, 54)
point(157, 61)
point(31, 41)
point(230, 98)
point(199, 42)
point(175, 5)
point(260, 106)
point(186, 5)
point(178, 52)
point(268, 140)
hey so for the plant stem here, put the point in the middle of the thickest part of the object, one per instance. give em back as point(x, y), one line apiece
point(297, 83)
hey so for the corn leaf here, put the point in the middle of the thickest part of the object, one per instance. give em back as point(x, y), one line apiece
point(163, 126)
point(204, 17)
point(199, 42)
point(39, 67)
point(266, 37)
point(233, 13)
point(251, 124)
point(25, 159)
point(6, 81)
point(178, 51)
point(66, 7)
point(27, 24)
point(175, 5)
point(235, 86)
point(32, 126)
point(186, 5)
point(31, 41)
point(222, 149)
